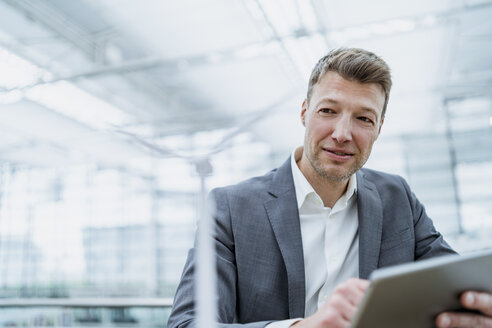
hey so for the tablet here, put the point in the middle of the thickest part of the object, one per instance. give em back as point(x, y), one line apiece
point(413, 294)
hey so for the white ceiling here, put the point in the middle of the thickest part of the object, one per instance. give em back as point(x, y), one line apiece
point(176, 67)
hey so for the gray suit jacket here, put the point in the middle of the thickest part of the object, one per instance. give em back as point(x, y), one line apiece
point(260, 263)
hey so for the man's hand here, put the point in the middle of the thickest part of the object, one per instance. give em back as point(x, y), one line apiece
point(474, 301)
point(340, 308)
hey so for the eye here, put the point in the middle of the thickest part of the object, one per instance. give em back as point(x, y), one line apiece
point(366, 119)
point(326, 111)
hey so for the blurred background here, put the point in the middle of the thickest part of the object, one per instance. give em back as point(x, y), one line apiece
point(95, 228)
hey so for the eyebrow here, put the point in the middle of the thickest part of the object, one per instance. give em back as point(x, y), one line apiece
point(336, 102)
point(367, 109)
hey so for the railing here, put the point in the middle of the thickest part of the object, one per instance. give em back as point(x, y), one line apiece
point(85, 312)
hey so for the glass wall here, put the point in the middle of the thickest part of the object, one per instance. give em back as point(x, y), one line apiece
point(89, 230)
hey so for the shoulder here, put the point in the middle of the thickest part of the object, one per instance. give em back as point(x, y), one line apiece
point(379, 176)
point(385, 183)
point(276, 182)
point(250, 188)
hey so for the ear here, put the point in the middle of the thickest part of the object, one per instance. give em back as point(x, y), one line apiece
point(304, 112)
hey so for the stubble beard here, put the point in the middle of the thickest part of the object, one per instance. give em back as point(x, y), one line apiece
point(317, 165)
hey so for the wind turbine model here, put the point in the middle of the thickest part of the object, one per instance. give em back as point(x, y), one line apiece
point(205, 274)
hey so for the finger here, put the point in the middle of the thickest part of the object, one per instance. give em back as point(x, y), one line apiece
point(448, 319)
point(352, 289)
point(478, 301)
point(361, 284)
point(343, 306)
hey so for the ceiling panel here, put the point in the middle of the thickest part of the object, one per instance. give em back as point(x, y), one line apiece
point(183, 28)
point(239, 87)
point(38, 126)
point(341, 14)
point(178, 67)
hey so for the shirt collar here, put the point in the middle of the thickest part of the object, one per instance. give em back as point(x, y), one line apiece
point(304, 189)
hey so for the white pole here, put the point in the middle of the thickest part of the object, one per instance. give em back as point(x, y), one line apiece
point(205, 276)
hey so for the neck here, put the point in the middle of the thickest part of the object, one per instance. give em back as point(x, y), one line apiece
point(329, 190)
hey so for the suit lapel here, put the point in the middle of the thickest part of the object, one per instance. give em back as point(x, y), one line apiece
point(370, 211)
point(284, 218)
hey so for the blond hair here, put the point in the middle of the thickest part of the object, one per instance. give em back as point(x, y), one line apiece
point(354, 64)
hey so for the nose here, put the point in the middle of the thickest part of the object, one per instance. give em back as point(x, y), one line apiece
point(342, 131)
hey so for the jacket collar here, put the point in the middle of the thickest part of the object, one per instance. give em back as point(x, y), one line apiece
point(370, 209)
point(284, 218)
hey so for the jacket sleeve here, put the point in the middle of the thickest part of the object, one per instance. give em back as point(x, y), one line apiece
point(183, 312)
point(428, 241)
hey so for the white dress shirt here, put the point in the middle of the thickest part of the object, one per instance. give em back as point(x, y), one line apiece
point(330, 240)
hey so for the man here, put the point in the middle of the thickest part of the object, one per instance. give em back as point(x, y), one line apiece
point(294, 246)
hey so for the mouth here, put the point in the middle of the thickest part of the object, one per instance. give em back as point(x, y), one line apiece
point(338, 154)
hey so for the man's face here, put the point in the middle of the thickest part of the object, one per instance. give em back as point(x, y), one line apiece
point(342, 120)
